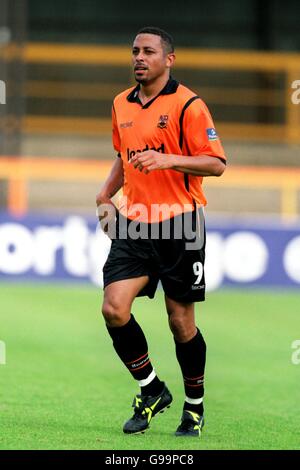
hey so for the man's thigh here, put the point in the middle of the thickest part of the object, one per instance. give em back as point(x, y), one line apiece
point(129, 260)
point(184, 280)
point(182, 263)
point(123, 293)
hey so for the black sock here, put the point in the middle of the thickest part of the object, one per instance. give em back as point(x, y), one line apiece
point(131, 346)
point(196, 408)
point(154, 388)
point(191, 357)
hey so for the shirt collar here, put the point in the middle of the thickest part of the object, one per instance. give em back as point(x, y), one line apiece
point(169, 88)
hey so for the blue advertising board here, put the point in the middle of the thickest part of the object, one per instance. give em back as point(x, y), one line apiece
point(74, 248)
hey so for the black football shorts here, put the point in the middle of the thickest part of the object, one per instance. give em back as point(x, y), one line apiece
point(172, 252)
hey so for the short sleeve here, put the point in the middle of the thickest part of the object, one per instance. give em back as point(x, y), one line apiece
point(115, 133)
point(199, 134)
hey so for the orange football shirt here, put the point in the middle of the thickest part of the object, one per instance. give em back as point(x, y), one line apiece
point(175, 122)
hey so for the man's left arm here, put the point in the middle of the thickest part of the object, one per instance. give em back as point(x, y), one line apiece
point(203, 165)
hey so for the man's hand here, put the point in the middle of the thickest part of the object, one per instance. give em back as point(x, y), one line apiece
point(106, 212)
point(151, 160)
point(102, 198)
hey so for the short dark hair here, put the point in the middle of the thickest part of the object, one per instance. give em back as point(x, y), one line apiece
point(166, 38)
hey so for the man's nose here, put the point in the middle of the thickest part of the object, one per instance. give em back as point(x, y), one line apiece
point(140, 56)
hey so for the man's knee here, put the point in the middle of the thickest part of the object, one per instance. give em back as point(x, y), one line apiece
point(115, 313)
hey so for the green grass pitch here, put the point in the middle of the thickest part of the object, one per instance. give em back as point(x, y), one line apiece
point(64, 388)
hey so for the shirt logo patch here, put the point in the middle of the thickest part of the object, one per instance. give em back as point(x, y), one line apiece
point(212, 133)
point(123, 125)
point(163, 121)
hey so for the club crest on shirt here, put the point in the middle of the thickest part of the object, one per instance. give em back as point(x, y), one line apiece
point(163, 121)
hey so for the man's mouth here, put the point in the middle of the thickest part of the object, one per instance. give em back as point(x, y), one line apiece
point(139, 68)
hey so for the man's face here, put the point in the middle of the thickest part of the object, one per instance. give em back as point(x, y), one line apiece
point(149, 59)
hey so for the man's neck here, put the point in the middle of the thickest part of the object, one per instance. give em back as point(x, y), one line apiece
point(149, 91)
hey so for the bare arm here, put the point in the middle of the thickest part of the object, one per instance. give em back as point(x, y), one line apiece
point(199, 166)
point(112, 185)
point(203, 165)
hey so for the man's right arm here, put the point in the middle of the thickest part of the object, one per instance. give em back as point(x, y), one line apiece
point(106, 209)
point(112, 185)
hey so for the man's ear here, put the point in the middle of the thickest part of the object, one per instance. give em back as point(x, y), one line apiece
point(170, 59)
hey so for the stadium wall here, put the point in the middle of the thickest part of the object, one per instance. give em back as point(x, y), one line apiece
point(73, 248)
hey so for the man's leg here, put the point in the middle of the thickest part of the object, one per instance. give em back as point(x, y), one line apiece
point(128, 338)
point(130, 344)
point(191, 355)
